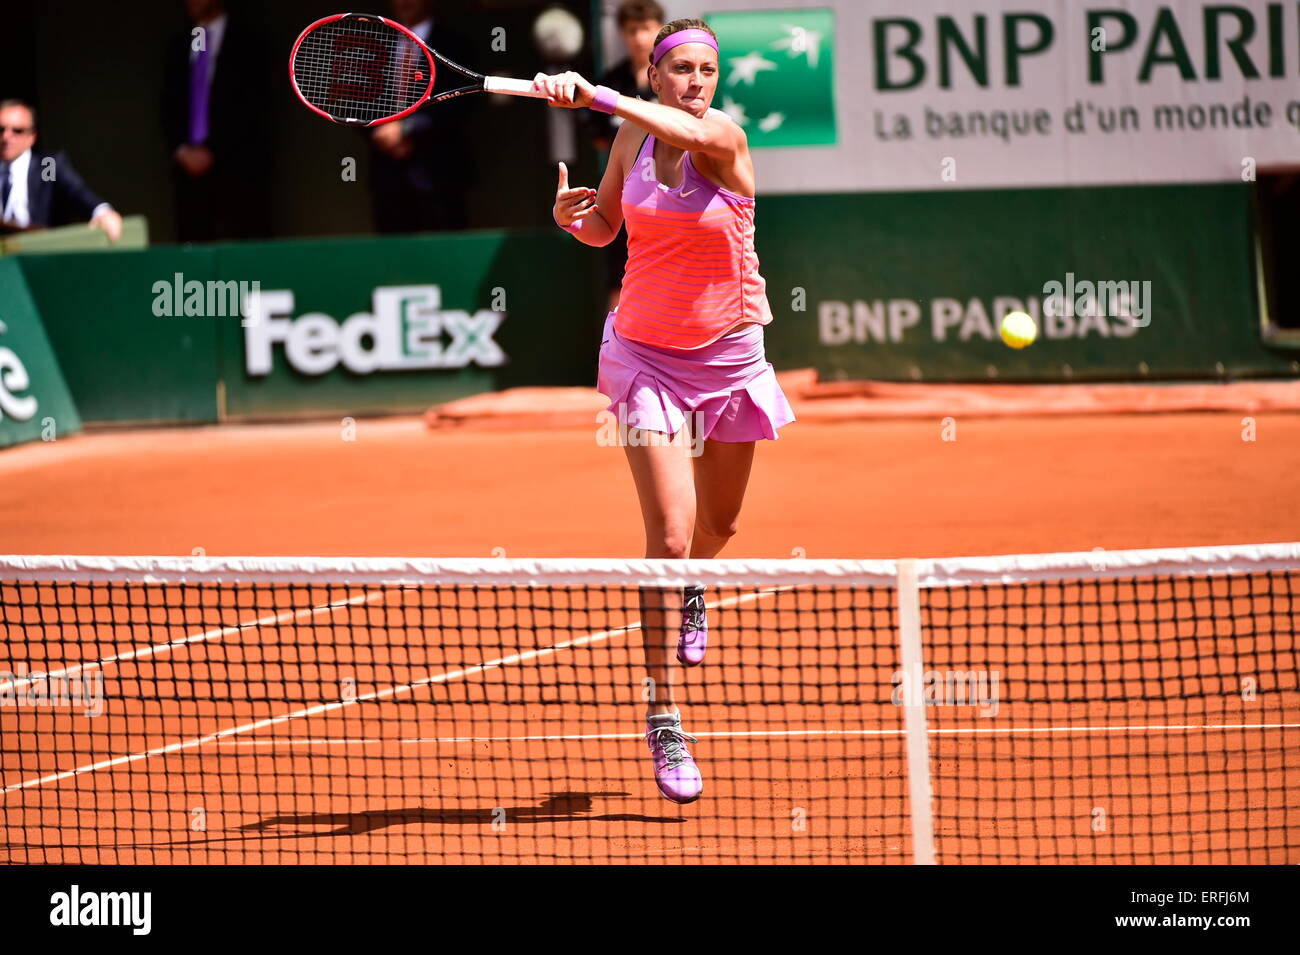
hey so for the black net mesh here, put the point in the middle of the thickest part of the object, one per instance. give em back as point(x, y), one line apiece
point(1151, 719)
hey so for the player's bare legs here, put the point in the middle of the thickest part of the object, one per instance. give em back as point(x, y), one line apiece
point(689, 506)
point(665, 486)
point(721, 476)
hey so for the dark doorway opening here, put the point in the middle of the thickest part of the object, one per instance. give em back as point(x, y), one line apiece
point(1277, 203)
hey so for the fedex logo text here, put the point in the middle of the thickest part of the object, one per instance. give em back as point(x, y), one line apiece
point(407, 329)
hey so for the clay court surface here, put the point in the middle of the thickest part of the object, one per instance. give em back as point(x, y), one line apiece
point(857, 490)
point(450, 777)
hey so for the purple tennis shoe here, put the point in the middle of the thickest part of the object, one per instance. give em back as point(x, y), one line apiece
point(676, 774)
point(694, 638)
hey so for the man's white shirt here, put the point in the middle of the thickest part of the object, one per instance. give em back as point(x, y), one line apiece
point(16, 211)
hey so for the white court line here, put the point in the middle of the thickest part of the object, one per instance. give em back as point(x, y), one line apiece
point(145, 652)
point(727, 734)
point(339, 704)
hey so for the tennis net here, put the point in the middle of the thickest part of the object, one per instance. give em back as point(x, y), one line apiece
point(1103, 707)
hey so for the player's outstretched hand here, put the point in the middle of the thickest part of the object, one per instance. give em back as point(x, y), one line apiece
point(572, 204)
point(568, 90)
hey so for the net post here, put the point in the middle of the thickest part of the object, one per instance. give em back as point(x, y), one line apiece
point(916, 730)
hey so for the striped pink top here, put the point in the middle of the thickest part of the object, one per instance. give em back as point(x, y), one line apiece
point(692, 272)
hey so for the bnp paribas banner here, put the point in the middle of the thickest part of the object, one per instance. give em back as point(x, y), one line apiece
point(853, 95)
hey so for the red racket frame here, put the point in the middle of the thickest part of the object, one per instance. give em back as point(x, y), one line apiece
point(334, 18)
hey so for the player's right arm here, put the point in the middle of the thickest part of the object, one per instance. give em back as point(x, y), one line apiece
point(600, 212)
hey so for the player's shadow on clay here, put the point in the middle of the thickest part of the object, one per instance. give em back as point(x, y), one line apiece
point(556, 807)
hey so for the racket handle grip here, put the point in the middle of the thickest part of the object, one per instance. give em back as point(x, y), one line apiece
point(511, 86)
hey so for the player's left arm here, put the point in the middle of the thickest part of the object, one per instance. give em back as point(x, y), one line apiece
point(715, 136)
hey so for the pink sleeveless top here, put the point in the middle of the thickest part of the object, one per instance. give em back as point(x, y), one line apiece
point(692, 272)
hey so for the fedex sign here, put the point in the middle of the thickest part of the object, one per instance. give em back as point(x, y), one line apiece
point(406, 329)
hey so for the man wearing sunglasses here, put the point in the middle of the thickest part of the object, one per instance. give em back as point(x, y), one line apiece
point(38, 190)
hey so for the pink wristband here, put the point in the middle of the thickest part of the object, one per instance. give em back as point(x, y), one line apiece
point(606, 100)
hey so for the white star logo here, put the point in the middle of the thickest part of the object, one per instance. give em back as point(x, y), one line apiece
point(800, 42)
point(771, 121)
point(744, 69)
point(735, 110)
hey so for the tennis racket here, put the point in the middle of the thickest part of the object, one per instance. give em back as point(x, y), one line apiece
point(359, 69)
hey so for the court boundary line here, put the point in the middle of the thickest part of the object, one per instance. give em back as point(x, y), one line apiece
point(727, 734)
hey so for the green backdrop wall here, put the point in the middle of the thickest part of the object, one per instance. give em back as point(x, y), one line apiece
point(34, 400)
point(125, 362)
point(944, 259)
point(894, 286)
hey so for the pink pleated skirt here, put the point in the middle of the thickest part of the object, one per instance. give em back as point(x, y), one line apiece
point(728, 387)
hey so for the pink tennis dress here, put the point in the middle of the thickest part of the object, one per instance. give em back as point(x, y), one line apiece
point(691, 275)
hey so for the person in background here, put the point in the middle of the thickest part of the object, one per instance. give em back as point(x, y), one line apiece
point(215, 118)
point(419, 166)
point(639, 21)
point(39, 190)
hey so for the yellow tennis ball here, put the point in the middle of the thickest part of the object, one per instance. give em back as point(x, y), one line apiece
point(1018, 329)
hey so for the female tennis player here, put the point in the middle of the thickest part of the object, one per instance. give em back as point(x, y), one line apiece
point(681, 359)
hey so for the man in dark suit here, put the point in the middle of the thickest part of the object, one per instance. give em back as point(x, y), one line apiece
point(419, 165)
point(38, 190)
point(215, 117)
